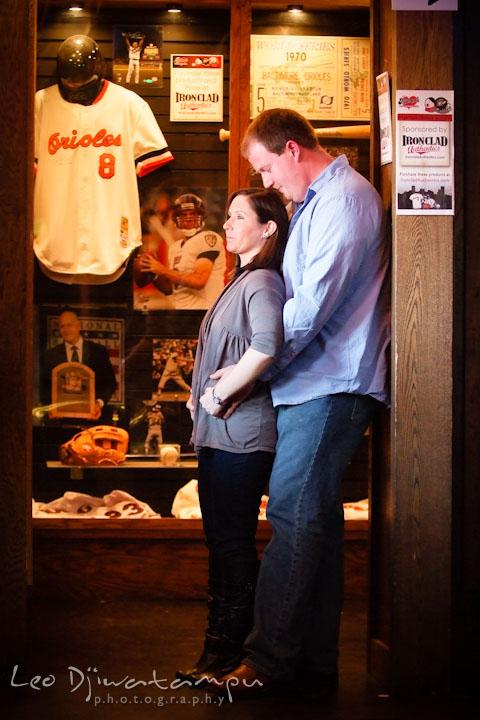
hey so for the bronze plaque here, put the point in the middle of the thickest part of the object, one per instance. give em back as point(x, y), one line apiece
point(73, 391)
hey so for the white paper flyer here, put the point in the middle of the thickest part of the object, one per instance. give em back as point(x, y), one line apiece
point(425, 152)
point(196, 88)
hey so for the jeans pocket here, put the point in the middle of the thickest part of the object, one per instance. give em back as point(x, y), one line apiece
point(362, 412)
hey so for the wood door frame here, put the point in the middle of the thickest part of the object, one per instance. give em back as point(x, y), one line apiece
point(412, 509)
point(17, 60)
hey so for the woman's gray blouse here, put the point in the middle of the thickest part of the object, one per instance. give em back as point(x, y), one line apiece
point(248, 313)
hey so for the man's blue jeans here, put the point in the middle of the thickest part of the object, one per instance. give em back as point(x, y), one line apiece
point(299, 592)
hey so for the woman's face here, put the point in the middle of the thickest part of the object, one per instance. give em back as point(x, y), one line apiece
point(243, 231)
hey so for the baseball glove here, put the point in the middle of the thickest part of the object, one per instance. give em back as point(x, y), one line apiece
point(99, 445)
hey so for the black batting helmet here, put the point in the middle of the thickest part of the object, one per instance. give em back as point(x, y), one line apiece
point(79, 60)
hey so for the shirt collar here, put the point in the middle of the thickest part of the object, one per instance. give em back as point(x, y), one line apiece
point(77, 344)
point(325, 177)
point(316, 186)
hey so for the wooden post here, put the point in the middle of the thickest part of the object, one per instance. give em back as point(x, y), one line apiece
point(240, 30)
point(16, 329)
point(410, 637)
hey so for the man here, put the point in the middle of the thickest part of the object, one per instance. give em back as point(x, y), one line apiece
point(197, 261)
point(75, 349)
point(326, 382)
point(134, 52)
point(416, 199)
point(154, 437)
point(173, 371)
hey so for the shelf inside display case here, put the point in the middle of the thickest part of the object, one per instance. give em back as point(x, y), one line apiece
point(151, 482)
point(129, 464)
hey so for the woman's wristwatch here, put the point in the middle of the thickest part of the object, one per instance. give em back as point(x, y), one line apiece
point(216, 399)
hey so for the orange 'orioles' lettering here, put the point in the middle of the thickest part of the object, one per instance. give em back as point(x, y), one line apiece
point(100, 139)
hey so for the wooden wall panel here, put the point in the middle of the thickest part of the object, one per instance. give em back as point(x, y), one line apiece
point(17, 19)
point(422, 395)
point(466, 466)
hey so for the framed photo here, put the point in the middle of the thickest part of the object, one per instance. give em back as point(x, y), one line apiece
point(98, 327)
point(172, 367)
point(137, 56)
point(322, 77)
point(181, 226)
point(98, 334)
point(160, 416)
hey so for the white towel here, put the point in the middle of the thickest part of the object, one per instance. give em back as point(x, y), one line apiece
point(186, 505)
point(117, 504)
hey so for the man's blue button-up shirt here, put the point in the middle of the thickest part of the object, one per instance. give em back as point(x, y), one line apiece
point(337, 313)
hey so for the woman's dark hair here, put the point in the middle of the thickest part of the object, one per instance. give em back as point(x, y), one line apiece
point(267, 205)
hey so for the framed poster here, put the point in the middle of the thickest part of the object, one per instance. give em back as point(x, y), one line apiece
point(160, 417)
point(172, 367)
point(425, 152)
point(96, 327)
point(385, 118)
point(180, 227)
point(137, 56)
point(196, 88)
point(322, 77)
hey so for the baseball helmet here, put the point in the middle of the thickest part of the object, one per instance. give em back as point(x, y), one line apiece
point(79, 60)
point(189, 213)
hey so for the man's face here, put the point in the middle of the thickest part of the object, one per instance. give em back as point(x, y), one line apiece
point(69, 326)
point(188, 218)
point(277, 171)
point(189, 221)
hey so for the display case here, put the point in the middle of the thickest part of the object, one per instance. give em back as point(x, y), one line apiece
point(140, 326)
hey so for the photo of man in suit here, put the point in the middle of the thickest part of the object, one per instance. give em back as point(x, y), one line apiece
point(75, 348)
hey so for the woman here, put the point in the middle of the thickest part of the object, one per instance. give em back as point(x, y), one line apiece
point(235, 445)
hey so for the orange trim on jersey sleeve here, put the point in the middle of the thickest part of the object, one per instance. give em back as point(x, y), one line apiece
point(143, 168)
point(102, 92)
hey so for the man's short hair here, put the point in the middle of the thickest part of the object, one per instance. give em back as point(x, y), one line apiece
point(274, 128)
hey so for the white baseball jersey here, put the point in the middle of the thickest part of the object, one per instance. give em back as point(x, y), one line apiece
point(87, 210)
point(416, 200)
point(183, 255)
point(134, 54)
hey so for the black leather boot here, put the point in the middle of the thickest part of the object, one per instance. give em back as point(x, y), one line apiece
point(216, 621)
point(241, 577)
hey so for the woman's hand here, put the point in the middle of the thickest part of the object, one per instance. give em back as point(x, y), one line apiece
point(190, 406)
point(211, 407)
